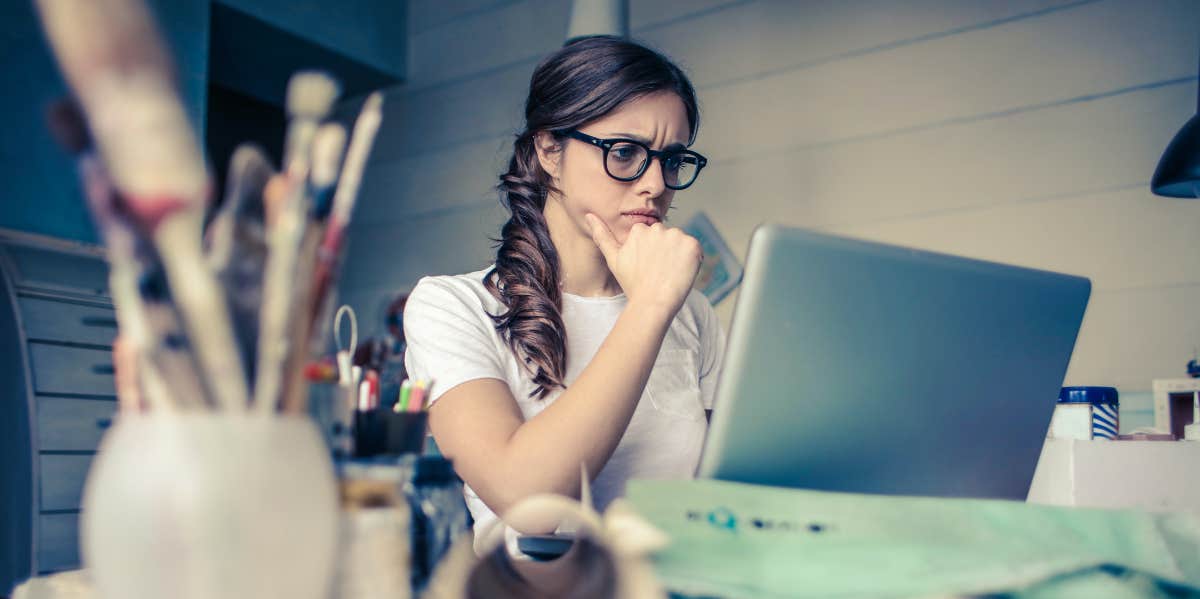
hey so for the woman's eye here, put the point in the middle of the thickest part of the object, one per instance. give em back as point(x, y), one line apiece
point(623, 153)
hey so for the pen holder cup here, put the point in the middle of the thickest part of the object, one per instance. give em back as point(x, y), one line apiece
point(210, 506)
point(383, 432)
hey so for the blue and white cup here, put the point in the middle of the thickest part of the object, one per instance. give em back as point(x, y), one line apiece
point(1086, 413)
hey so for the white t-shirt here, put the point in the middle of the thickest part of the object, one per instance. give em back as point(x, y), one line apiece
point(452, 340)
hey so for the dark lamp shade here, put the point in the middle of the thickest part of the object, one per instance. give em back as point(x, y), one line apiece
point(1178, 170)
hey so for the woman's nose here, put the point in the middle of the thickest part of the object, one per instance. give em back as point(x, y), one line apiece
point(651, 181)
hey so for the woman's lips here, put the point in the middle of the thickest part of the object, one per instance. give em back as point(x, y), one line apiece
point(645, 219)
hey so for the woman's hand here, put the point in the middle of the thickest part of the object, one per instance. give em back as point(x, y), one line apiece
point(656, 265)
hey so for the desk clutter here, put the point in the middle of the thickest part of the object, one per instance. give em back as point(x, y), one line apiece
point(403, 532)
point(1093, 413)
point(1087, 462)
point(213, 481)
point(222, 319)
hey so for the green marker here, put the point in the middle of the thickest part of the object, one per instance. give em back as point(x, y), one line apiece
point(405, 393)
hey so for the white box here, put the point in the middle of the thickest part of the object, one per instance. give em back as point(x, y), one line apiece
point(1156, 476)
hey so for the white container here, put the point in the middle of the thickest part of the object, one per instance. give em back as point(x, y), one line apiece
point(207, 506)
point(374, 560)
point(1085, 413)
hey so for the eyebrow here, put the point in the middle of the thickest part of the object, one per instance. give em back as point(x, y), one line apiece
point(647, 141)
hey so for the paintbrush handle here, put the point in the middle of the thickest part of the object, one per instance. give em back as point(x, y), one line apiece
point(119, 68)
point(295, 386)
point(278, 308)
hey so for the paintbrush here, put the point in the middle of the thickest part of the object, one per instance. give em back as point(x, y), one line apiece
point(328, 143)
point(237, 248)
point(329, 253)
point(148, 323)
point(118, 67)
point(310, 96)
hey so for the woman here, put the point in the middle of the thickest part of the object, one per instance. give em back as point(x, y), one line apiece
point(584, 342)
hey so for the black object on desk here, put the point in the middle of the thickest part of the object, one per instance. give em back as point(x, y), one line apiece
point(384, 432)
point(440, 515)
point(544, 548)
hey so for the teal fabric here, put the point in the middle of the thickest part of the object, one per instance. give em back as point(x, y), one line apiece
point(735, 540)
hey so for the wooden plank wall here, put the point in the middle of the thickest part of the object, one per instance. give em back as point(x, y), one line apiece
point(1020, 131)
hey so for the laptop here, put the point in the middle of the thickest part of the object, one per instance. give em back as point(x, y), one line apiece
point(868, 368)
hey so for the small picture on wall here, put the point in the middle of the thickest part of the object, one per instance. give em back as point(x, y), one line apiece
point(720, 272)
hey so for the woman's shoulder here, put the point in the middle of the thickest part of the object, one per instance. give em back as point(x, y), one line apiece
point(449, 291)
point(697, 304)
point(696, 317)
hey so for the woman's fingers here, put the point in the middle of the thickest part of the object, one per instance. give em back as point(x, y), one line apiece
point(655, 264)
point(603, 237)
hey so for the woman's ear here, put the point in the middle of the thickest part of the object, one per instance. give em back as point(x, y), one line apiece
point(549, 152)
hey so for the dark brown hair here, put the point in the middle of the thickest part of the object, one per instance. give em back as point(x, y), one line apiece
point(582, 82)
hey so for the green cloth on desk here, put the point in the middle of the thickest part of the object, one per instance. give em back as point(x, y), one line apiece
point(735, 540)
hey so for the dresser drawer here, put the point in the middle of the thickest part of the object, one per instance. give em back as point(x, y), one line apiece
point(55, 270)
point(50, 320)
point(61, 369)
point(72, 424)
point(61, 480)
point(58, 542)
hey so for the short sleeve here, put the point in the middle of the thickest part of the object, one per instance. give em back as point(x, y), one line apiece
point(712, 350)
point(449, 338)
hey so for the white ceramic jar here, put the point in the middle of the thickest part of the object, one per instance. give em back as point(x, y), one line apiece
point(210, 506)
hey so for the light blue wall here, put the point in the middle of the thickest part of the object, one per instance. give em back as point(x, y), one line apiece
point(40, 194)
point(40, 191)
point(1020, 131)
point(371, 31)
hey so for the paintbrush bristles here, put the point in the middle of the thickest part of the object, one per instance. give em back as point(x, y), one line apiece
point(310, 94)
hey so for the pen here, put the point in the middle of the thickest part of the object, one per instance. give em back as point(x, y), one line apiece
point(364, 396)
point(420, 390)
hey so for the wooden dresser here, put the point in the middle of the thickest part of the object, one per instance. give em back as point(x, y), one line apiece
point(56, 396)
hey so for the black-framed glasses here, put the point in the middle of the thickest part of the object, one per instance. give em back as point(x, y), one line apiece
point(626, 159)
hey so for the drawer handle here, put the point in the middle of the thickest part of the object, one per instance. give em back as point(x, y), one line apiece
point(103, 369)
point(103, 423)
point(100, 321)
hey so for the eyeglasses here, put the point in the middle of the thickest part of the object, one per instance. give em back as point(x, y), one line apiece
point(627, 159)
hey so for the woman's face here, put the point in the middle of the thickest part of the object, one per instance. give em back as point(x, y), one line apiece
point(660, 121)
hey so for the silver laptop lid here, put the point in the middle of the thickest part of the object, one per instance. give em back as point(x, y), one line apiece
point(862, 367)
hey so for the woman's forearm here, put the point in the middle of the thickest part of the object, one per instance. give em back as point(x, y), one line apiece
point(585, 423)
